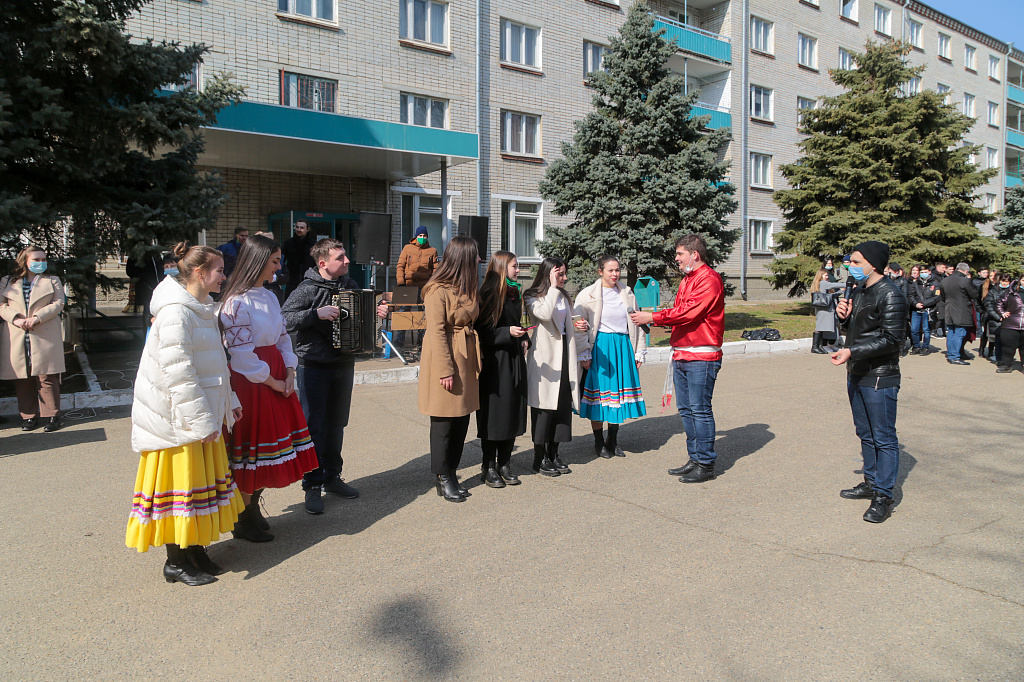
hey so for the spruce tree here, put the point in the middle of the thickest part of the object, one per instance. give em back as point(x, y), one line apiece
point(1010, 228)
point(882, 164)
point(96, 158)
point(640, 171)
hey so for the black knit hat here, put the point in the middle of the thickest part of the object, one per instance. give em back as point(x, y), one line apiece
point(875, 253)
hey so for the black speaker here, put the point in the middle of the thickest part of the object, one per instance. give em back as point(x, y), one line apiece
point(372, 240)
point(477, 227)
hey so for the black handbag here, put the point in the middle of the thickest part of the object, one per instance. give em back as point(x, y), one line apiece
point(820, 299)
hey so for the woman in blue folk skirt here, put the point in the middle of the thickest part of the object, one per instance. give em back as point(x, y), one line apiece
point(610, 352)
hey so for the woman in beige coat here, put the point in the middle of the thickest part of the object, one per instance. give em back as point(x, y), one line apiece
point(552, 369)
point(449, 391)
point(32, 343)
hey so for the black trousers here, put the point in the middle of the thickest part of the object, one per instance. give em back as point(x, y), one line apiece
point(500, 450)
point(447, 438)
point(1012, 341)
point(325, 392)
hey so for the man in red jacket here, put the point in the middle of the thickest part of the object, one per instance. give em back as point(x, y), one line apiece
point(697, 318)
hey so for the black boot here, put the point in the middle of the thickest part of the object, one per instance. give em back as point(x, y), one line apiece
point(864, 490)
point(198, 556)
point(505, 463)
point(246, 527)
point(541, 463)
point(599, 443)
point(447, 488)
point(880, 509)
point(611, 443)
point(254, 502)
point(699, 474)
point(816, 344)
point(556, 461)
point(683, 470)
point(458, 486)
point(178, 569)
point(488, 471)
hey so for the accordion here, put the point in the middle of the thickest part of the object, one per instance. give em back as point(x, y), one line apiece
point(354, 330)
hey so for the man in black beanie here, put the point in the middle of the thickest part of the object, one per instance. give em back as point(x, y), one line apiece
point(875, 320)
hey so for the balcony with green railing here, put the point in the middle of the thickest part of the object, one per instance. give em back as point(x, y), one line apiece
point(1015, 138)
point(1015, 94)
point(695, 40)
point(1013, 179)
point(720, 116)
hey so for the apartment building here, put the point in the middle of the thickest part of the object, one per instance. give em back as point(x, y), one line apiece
point(431, 109)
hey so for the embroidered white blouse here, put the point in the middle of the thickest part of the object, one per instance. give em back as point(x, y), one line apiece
point(253, 319)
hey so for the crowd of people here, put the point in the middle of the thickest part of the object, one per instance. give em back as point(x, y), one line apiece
point(942, 302)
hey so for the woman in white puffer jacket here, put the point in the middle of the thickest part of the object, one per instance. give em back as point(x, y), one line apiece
point(185, 496)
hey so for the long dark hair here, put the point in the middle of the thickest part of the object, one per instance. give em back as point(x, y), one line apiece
point(253, 257)
point(495, 289)
point(542, 282)
point(458, 268)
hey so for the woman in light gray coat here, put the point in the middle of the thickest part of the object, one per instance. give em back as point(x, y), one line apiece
point(826, 329)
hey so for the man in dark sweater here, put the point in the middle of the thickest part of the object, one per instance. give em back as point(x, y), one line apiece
point(325, 374)
point(295, 253)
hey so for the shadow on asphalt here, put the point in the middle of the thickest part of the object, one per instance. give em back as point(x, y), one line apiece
point(24, 443)
point(410, 625)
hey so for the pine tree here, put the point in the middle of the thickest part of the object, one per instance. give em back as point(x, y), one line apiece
point(881, 164)
point(95, 158)
point(1010, 228)
point(640, 171)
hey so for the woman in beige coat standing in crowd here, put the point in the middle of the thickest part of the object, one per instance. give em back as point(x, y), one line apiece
point(449, 389)
point(32, 342)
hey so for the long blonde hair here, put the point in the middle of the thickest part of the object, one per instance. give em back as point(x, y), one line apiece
point(818, 276)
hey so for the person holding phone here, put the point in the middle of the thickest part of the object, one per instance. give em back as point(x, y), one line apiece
point(611, 352)
point(552, 367)
point(503, 345)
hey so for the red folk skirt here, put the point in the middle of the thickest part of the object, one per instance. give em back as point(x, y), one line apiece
point(270, 444)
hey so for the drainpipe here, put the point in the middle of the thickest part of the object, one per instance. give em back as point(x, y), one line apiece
point(1006, 101)
point(445, 232)
point(744, 153)
point(479, 114)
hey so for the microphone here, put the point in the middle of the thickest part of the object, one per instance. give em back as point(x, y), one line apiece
point(851, 282)
point(644, 327)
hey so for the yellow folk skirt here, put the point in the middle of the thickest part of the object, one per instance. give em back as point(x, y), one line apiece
point(184, 496)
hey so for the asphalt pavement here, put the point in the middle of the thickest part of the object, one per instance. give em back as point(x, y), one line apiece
point(615, 571)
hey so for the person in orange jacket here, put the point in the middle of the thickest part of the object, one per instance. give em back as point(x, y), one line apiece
point(416, 265)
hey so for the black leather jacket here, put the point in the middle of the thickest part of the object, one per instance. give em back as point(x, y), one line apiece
point(875, 330)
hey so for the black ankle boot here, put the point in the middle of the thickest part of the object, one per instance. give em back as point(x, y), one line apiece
point(447, 489)
point(458, 486)
point(611, 443)
point(864, 490)
point(505, 463)
point(556, 461)
point(246, 527)
point(816, 343)
point(599, 443)
point(491, 478)
point(541, 463)
point(254, 502)
point(178, 569)
point(198, 556)
point(683, 470)
point(880, 509)
point(699, 474)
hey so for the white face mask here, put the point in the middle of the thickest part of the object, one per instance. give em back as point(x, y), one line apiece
point(690, 268)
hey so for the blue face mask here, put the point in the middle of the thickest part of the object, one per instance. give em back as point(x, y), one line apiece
point(858, 273)
point(173, 272)
point(38, 267)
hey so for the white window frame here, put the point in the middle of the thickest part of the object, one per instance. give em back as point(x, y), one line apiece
point(762, 35)
point(407, 21)
point(761, 169)
point(316, 9)
point(972, 157)
point(407, 110)
point(807, 50)
point(883, 20)
point(507, 118)
point(915, 33)
point(992, 157)
point(761, 230)
point(846, 60)
point(589, 51)
point(914, 86)
point(993, 67)
point(804, 104)
point(849, 9)
point(416, 201)
point(989, 203)
point(993, 113)
point(945, 46)
point(945, 91)
point(508, 27)
point(970, 57)
point(758, 94)
point(968, 108)
point(509, 213)
point(195, 80)
point(289, 91)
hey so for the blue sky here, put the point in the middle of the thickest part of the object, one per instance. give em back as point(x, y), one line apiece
point(1001, 19)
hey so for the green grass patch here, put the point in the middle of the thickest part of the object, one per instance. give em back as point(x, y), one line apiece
point(793, 320)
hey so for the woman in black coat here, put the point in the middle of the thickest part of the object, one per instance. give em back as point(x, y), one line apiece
point(503, 344)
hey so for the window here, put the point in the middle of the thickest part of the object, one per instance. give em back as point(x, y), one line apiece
point(521, 228)
point(849, 9)
point(945, 51)
point(915, 33)
point(970, 58)
point(972, 156)
point(760, 169)
point(314, 9)
point(807, 51)
point(993, 67)
point(993, 157)
point(191, 80)
point(846, 60)
point(762, 35)
point(520, 44)
point(424, 111)
point(423, 20)
point(804, 104)
point(593, 57)
point(519, 133)
point(990, 203)
point(914, 86)
point(883, 20)
point(993, 114)
point(307, 92)
point(760, 235)
point(761, 103)
point(425, 210)
point(678, 16)
point(943, 90)
point(969, 105)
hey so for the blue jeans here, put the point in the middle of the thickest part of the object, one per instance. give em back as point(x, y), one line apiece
point(325, 392)
point(955, 341)
point(695, 384)
point(874, 418)
point(920, 332)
